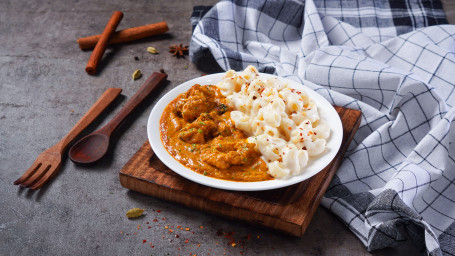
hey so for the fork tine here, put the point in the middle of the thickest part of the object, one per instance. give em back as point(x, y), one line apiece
point(35, 166)
point(49, 174)
point(36, 176)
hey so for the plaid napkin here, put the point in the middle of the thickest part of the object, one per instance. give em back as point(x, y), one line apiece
point(394, 62)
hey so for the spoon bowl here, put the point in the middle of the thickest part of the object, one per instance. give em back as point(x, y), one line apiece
point(89, 149)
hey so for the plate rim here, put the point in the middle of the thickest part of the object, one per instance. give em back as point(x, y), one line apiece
point(153, 135)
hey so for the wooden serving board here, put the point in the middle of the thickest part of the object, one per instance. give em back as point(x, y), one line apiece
point(288, 209)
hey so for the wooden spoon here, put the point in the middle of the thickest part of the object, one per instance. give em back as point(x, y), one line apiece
point(94, 146)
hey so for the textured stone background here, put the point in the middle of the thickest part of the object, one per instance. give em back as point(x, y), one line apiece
point(44, 90)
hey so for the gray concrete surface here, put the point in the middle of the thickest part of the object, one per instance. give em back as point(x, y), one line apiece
point(44, 90)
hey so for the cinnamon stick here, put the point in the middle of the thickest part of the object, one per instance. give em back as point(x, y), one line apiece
point(102, 42)
point(126, 35)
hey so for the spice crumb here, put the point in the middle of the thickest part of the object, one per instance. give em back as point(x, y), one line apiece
point(144, 241)
point(187, 229)
point(201, 227)
point(136, 58)
point(158, 211)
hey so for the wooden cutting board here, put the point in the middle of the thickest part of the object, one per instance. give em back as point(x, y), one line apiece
point(287, 209)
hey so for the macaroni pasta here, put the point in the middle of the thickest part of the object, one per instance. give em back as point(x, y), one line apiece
point(282, 122)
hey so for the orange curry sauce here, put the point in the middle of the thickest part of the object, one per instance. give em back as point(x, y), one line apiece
point(196, 129)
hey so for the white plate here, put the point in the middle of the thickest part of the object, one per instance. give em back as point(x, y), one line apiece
point(315, 165)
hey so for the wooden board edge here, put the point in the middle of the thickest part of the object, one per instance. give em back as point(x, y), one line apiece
point(335, 165)
point(210, 206)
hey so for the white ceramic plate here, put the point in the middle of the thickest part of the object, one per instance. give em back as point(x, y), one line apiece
point(315, 165)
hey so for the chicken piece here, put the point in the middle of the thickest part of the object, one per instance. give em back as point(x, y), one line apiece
point(223, 155)
point(199, 131)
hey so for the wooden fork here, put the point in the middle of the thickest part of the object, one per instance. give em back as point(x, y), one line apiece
point(48, 163)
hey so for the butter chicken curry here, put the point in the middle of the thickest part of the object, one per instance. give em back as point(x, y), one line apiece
point(196, 129)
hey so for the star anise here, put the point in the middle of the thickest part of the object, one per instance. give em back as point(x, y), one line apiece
point(178, 50)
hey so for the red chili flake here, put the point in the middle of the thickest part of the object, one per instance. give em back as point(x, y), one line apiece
point(289, 128)
point(177, 236)
point(315, 133)
point(186, 241)
point(152, 246)
point(192, 232)
point(170, 230)
point(149, 227)
point(178, 249)
point(304, 148)
point(187, 229)
point(144, 241)
point(158, 211)
point(300, 134)
point(201, 227)
point(254, 97)
point(298, 92)
point(155, 220)
point(163, 218)
point(179, 226)
point(147, 222)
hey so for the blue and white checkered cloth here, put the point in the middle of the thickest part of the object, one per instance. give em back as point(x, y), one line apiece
point(390, 59)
